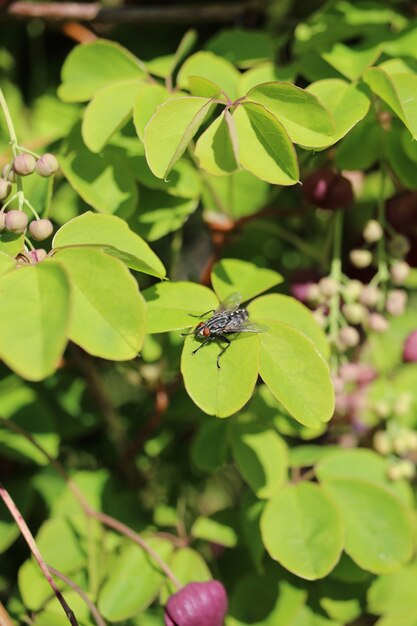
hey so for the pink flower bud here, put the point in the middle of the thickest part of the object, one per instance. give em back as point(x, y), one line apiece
point(396, 302)
point(197, 604)
point(8, 173)
point(41, 229)
point(328, 190)
point(24, 164)
point(373, 231)
point(360, 258)
point(47, 165)
point(5, 189)
point(410, 348)
point(369, 295)
point(377, 323)
point(349, 337)
point(399, 272)
point(16, 221)
point(38, 255)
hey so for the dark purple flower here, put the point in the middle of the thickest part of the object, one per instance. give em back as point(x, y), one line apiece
point(410, 348)
point(197, 604)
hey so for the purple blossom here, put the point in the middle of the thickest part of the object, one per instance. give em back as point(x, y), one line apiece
point(197, 604)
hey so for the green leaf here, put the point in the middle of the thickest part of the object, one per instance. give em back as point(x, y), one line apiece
point(161, 213)
point(219, 529)
point(367, 134)
point(348, 103)
point(379, 535)
point(240, 193)
point(199, 86)
point(134, 581)
point(20, 403)
point(280, 308)
point(7, 263)
point(233, 275)
point(171, 129)
point(102, 180)
point(185, 46)
point(214, 68)
point(90, 67)
point(109, 327)
point(243, 48)
point(184, 179)
point(145, 105)
point(188, 566)
point(265, 73)
point(34, 338)
point(109, 110)
point(308, 455)
point(359, 463)
point(296, 373)
point(209, 446)
point(172, 305)
point(264, 146)
point(261, 457)
point(266, 600)
point(305, 119)
point(216, 149)
point(112, 235)
point(301, 529)
point(250, 511)
point(398, 158)
point(352, 62)
point(399, 91)
point(60, 545)
point(221, 392)
point(10, 243)
point(394, 593)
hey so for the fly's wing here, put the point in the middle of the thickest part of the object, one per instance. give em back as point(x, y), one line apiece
point(252, 327)
point(230, 303)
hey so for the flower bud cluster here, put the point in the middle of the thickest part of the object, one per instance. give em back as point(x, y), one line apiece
point(25, 164)
point(350, 383)
point(16, 222)
point(400, 444)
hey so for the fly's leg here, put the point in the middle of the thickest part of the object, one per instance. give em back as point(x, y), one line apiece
point(202, 345)
point(222, 338)
point(203, 315)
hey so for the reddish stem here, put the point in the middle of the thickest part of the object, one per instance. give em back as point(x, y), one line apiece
point(30, 540)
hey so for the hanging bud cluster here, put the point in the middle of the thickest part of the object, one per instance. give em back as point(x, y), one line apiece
point(17, 221)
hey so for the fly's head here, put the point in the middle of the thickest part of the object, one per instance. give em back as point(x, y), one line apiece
point(202, 331)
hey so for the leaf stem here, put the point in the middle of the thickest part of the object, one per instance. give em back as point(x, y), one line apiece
point(14, 146)
point(93, 609)
point(30, 540)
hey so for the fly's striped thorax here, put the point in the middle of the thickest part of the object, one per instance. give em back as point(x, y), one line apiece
point(227, 320)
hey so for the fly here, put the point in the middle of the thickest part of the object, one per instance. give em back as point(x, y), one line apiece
point(229, 318)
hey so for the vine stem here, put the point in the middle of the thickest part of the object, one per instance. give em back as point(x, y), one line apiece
point(336, 275)
point(14, 145)
point(27, 535)
point(106, 520)
point(93, 609)
point(5, 619)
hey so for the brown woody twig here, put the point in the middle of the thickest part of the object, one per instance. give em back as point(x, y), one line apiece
point(30, 540)
point(151, 14)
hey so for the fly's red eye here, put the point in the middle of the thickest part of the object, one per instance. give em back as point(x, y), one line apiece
point(206, 332)
point(200, 324)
